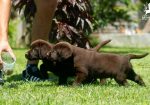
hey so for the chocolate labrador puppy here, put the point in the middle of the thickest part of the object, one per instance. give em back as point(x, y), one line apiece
point(92, 65)
point(39, 50)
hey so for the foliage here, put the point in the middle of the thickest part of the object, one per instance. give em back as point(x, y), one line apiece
point(110, 11)
point(18, 92)
point(12, 32)
point(145, 1)
point(72, 20)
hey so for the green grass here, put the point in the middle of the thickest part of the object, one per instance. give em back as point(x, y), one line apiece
point(17, 92)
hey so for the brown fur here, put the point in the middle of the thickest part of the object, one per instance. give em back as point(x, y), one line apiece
point(39, 50)
point(92, 65)
point(100, 45)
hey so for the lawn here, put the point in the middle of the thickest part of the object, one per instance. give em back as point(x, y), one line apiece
point(17, 92)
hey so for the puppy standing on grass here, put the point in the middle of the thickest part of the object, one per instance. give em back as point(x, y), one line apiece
point(91, 64)
point(39, 50)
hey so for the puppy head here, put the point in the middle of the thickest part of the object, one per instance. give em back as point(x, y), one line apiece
point(61, 51)
point(38, 50)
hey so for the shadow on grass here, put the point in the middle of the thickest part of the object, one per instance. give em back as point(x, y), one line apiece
point(14, 78)
point(18, 77)
point(13, 81)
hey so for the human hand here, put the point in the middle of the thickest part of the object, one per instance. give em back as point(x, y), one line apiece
point(4, 46)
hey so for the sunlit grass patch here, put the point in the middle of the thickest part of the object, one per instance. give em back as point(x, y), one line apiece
point(17, 92)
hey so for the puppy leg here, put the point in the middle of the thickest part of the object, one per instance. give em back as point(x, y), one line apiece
point(139, 80)
point(81, 75)
point(43, 70)
point(134, 77)
point(121, 79)
point(89, 80)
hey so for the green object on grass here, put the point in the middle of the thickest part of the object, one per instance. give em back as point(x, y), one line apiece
point(6, 57)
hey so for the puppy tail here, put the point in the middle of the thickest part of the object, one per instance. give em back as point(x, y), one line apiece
point(100, 45)
point(133, 56)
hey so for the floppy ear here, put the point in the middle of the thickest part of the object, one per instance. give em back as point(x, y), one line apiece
point(43, 47)
point(33, 52)
point(35, 43)
point(64, 49)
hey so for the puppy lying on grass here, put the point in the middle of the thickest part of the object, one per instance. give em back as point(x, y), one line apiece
point(92, 65)
point(39, 50)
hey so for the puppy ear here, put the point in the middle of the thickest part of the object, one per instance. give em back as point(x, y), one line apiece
point(35, 43)
point(42, 46)
point(64, 49)
point(40, 42)
point(45, 47)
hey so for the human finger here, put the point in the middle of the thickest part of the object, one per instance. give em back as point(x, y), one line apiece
point(12, 54)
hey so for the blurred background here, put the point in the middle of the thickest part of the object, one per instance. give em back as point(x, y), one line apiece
point(126, 22)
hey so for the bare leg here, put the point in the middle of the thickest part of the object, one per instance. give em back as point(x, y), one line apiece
point(5, 6)
point(42, 20)
point(41, 25)
point(4, 19)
